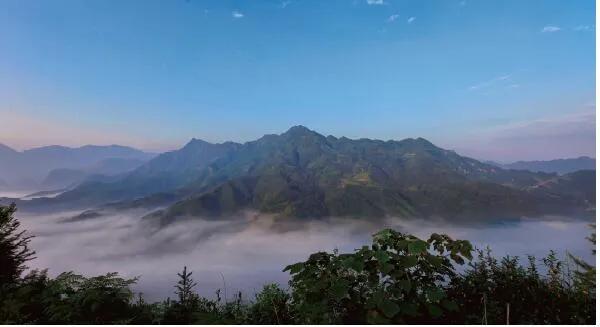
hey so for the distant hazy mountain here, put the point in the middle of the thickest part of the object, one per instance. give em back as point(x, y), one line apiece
point(65, 177)
point(559, 166)
point(301, 173)
point(27, 169)
point(6, 151)
point(167, 172)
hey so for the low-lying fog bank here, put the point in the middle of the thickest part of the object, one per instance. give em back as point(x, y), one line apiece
point(247, 252)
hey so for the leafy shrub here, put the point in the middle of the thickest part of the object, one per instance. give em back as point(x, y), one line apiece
point(395, 280)
point(69, 298)
point(72, 298)
point(271, 306)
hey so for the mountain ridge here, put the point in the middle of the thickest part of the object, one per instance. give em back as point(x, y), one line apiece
point(294, 188)
point(301, 173)
point(28, 168)
point(560, 166)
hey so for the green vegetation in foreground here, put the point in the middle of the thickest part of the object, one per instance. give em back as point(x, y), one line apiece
point(399, 278)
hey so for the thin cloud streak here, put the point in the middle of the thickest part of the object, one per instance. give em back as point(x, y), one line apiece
point(584, 28)
point(236, 14)
point(393, 18)
point(550, 29)
point(490, 82)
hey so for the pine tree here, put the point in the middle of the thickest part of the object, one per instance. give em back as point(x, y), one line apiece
point(185, 287)
point(14, 246)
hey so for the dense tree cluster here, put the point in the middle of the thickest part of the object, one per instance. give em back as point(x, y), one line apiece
point(399, 278)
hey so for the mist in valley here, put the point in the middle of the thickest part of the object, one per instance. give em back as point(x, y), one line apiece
point(244, 252)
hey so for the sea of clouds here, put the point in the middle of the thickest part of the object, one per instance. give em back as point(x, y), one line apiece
point(243, 253)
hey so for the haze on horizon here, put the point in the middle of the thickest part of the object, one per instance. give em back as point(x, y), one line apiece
point(489, 79)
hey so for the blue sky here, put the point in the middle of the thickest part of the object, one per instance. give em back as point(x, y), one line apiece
point(501, 80)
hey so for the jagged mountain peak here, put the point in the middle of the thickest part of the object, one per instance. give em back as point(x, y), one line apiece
point(195, 142)
point(299, 129)
point(302, 131)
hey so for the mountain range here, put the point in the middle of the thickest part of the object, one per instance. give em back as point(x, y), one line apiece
point(303, 174)
point(59, 166)
point(559, 166)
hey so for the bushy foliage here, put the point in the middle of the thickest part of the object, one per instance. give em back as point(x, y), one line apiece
point(68, 298)
point(399, 278)
point(496, 291)
point(23, 301)
point(271, 306)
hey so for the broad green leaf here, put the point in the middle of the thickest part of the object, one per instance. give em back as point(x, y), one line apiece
point(435, 261)
point(339, 289)
point(408, 261)
point(348, 262)
point(382, 235)
point(382, 256)
point(401, 245)
point(386, 268)
point(295, 268)
point(389, 308)
point(417, 246)
point(435, 294)
point(358, 264)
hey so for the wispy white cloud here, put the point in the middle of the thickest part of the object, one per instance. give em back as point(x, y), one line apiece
point(393, 18)
point(375, 2)
point(410, 20)
point(285, 4)
point(236, 14)
point(462, 3)
point(550, 29)
point(490, 82)
point(583, 28)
